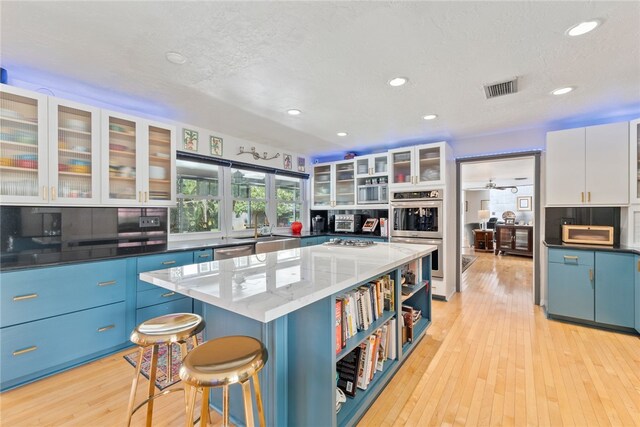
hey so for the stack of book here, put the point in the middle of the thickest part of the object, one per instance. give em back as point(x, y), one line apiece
point(357, 309)
point(410, 317)
point(358, 368)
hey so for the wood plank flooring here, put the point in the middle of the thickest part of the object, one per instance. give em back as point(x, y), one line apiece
point(490, 358)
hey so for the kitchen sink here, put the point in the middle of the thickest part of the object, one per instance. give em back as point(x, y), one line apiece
point(274, 243)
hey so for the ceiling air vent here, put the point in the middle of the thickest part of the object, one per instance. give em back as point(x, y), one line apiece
point(501, 88)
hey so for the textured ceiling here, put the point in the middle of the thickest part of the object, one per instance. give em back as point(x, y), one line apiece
point(248, 62)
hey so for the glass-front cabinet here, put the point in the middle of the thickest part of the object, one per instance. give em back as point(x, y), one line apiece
point(121, 182)
point(23, 146)
point(74, 153)
point(420, 165)
point(345, 184)
point(322, 186)
point(371, 165)
point(139, 161)
point(634, 171)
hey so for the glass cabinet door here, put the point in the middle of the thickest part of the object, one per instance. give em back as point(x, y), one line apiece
point(505, 238)
point(379, 166)
point(75, 155)
point(160, 172)
point(362, 166)
point(121, 155)
point(429, 164)
point(23, 147)
point(345, 184)
point(322, 185)
point(401, 166)
point(521, 239)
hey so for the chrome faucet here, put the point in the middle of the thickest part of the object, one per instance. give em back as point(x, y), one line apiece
point(255, 224)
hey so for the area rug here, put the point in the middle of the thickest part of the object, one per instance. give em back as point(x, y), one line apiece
point(467, 260)
point(162, 379)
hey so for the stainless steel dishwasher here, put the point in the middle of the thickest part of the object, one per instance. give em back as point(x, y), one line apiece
point(232, 252)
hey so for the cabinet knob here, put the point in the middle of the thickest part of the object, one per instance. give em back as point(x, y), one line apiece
point(106, 328)
point(590, 275)
point(582, 196)
point(588, 196)
point(24, 297)
point(107, 283)
point(44, 192)
point(53, 193)
point(168, 294)
point(25, 350)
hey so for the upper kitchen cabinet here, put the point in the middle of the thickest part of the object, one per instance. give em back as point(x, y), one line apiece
point(334, 185)
point(371, 165)
point(634, 166)
point(23, 146)
point(588, 166)
point(74, 153)
point(419, 165)
point(139, 161)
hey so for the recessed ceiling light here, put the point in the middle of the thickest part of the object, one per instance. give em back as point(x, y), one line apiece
point(398, 81)
point(582, 28)
point(342, 134)
point(293, 112)
point(176, 58)
point(430, 116)
point(562, 90)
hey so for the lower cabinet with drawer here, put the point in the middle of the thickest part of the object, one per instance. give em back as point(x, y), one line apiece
point(35, 349)
point(592, 286)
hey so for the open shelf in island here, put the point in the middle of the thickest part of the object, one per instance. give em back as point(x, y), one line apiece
point(358, 338)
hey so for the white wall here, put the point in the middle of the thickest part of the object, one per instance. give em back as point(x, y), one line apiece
point(509, 142)
point(473, 198)
point(505, 200)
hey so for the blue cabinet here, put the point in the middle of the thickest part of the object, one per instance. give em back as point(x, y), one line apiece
point(29, 295)
point(615, 281)
point(203, 255)
point(34, 349)
point(160, 262)
point(308, 241)
point(571, 284)
point(595, 286)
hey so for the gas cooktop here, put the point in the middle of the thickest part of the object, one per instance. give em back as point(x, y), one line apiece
point(355, 243)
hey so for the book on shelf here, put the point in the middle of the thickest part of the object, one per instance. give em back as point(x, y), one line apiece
point(362, 382)
point(392, 339)
point(347, 369)
point(338, 324)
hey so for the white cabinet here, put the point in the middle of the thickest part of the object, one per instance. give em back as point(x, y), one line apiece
point(588, 166)
point(139, 161)
point(334, 185)
point(74, 153)
point(371, 165)
point(419, 165)
point(23, 147)
point(634, 165)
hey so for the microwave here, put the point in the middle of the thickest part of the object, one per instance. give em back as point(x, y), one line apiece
point(588, 234)
point(373, 193)
point(348, 223)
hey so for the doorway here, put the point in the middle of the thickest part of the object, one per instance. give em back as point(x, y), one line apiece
point(498, 211)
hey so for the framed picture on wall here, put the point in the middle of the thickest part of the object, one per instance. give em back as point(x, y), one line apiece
point(190, 140)
point(215, 144)
point(484, 205)
point(524, 203)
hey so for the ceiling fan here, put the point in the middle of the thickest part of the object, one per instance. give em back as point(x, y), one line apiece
point(493, 186)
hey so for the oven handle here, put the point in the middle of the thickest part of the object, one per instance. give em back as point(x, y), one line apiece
point(417, 240)
point(417, 204)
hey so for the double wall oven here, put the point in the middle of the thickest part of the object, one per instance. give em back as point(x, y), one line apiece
point(417, 218)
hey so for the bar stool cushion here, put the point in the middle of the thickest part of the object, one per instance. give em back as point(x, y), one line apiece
point(223, 361)
point(168, 328)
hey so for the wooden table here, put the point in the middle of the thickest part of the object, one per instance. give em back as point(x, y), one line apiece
point(483, 240)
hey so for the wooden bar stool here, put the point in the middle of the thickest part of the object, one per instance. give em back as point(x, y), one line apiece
point(168, 329)
point(219, 363)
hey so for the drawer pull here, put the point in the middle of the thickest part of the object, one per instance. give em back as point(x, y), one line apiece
point(168, 294)
point(638, 266)
point(571, 257)
point(106, 328)
point(168, 262)
point(23, 297)
point(108, 283)
point(25, 350)
point(590, 275)
point(204, 256)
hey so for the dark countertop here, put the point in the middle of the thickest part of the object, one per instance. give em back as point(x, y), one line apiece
point(25, 260)
point(617, 248)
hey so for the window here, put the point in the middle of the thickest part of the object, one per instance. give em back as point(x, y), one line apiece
point(249, 194)
point(288, 200)
point(198, 198)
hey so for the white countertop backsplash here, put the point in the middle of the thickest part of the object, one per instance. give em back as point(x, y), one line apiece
point(266, 286)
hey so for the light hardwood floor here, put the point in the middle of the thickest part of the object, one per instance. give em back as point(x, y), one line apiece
point(490, 358)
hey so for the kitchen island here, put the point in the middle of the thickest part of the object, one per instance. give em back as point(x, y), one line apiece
point(287, 299)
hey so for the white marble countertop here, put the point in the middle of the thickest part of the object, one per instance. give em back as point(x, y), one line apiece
point(267, 286)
